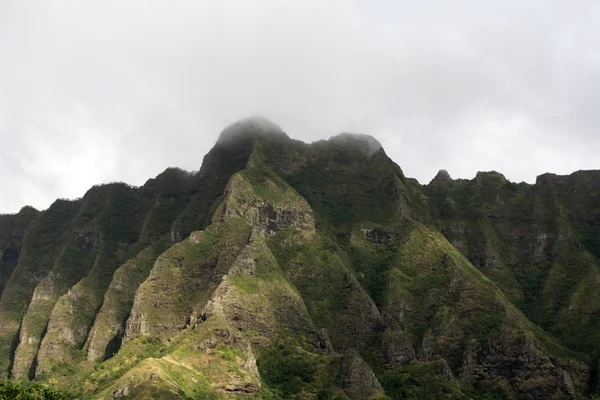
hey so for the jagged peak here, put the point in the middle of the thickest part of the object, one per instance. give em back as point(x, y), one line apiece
point(441, 177)
point(250, 127)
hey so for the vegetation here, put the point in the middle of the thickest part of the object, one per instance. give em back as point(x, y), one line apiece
point(257, 276)
point(345, 186)
point(535, 242)
point(286, 371)
point(29, 391)
point(420, 381)
point(41, 245)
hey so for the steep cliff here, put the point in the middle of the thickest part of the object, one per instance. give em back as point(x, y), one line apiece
point(285, 269)
point(539, 243)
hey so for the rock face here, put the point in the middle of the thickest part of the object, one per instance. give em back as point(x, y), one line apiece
point(520, 362)
point(182, 281)
point(73, 314)
point(397, 349)
point(379, 235)
point(283, 269)
point(40, 246)
point(266, 216)
point(12, 229)
point(108, 330)
point(75, 260)
point(539, 243)
point(356, 378)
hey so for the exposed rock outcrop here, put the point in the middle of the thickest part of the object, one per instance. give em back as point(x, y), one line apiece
point(286, 208)
point(41, 246)
point(183, 280)
point(109, 326)
point(355, 376)
point(397, 349)
point(521, 362)
point(324, 342)
point(379, 235)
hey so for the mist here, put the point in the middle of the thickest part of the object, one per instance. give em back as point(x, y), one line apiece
point(102, 91)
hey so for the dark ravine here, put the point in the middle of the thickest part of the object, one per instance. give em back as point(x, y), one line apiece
point(319, 270)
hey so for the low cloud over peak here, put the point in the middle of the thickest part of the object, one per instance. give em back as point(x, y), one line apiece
point(100, 91)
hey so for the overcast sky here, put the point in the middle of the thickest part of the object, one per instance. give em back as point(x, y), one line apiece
point(97, 91)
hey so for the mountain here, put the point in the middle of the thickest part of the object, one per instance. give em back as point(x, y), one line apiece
point(290, 270)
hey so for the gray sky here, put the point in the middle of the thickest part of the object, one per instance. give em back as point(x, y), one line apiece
point(112, 90)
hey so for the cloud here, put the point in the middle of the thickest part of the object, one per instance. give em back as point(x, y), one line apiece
point(100, 91)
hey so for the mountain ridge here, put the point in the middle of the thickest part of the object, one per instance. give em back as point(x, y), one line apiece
point(381, 279)
point(250, 129)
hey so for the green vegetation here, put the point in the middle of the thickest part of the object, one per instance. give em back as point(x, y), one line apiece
point(535, 242)
point(420, 381)
point(345, 186)
point(287, 370)
point(41, 246)
point(120, 222)
point(258, 275)
point(371, 261)
point(108, 330)
point(333, 297)
point(12, 228)
point(218, 166)
point(130, 355)
point(28, 391)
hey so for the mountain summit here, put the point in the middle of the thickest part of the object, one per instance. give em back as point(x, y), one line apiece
point(441, 177)
point(252, 127)
point(290, 270)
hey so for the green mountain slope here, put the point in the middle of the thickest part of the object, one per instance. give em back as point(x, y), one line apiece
point(290, 270)
point(539, 243)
